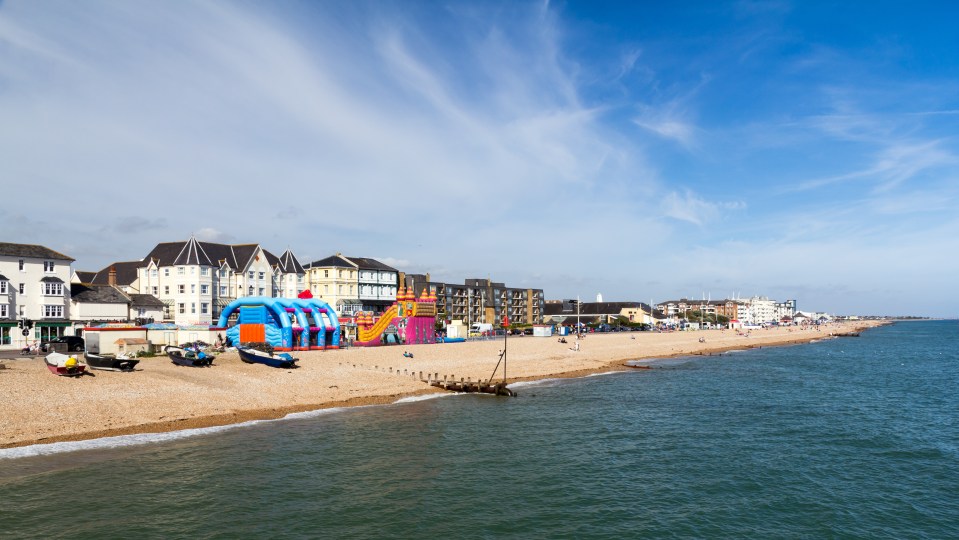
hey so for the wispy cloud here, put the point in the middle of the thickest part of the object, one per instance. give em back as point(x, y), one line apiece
point(689, 207)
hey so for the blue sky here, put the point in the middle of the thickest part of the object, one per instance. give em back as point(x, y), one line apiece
point(643, 151)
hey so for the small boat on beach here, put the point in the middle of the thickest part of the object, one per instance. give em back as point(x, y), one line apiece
point(186, 356)
point(110, 362)
point(254, 356)
point(63, 365)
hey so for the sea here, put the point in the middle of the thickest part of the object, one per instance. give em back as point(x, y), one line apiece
point(840, 438)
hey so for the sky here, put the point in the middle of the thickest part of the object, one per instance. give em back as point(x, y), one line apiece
point(643, 151)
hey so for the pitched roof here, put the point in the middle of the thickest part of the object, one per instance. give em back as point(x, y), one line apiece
point(31, 250)
point(97, 294)
point(237, 256)
point(192, 254)
point(145, 301)
point(3, 278)
point(85, 277)
point(126, 273)
point(289, 265)
point(333, 260)
point(370, 264)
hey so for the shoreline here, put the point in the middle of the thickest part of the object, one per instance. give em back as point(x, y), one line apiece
point(230, 384)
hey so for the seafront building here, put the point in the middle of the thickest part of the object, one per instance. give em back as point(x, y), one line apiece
point(480, 300)
point(195, 280)
point(568, 313)
point(33, 287)
point(353, 284)
point(753, 310)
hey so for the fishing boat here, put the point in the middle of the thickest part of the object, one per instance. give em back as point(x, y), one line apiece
point(254, 356)
point(188, 356)
point(110, 362)
point(63, 365)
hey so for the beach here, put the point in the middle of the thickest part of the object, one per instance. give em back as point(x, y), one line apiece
point(38, 407)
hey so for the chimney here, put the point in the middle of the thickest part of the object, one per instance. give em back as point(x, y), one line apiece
point(112, 277)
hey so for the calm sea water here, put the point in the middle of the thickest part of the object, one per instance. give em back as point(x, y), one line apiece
point(847, 438)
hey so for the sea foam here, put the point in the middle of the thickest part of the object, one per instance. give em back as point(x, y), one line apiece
point(117, 441)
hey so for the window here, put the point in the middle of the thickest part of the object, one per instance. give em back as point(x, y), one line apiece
point(204, 308)
point(22, 289)
point(339, 273)
point(299, 279)
point(326, 273)
point(192, 270)
point(204, 271)
point(251, 290)
point(204, 289)
point(156, 290)
point(153, 272)
point(48, 267)
point(252, 274)
point(3, 287)
point(262, 275)
point(52, 289)
point(3, 311)
point(192, 307)
point(181, 288)
point(222, 272)
point(181, 307)
point(166, 272)
point(222, 290)
point(193, 288)
point(21, 265)
point(166, 290)
point(53, 311)
point(326, 288)
point(180, 271)
point(261, 291)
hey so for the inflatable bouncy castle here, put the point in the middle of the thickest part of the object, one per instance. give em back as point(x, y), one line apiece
point(409, 320)
point(288, 324)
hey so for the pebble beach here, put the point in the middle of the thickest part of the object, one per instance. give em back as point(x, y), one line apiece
point(37, 407)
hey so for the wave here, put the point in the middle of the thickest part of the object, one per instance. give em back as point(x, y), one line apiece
point(603, 373)
point(117, 441)
point(120, 441)
point(424, 397)
point(138, 439)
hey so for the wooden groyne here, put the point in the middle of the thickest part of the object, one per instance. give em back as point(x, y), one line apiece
point(478, 387)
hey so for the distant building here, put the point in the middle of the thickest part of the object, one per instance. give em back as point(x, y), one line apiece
point(484, 301)
point(564, 312)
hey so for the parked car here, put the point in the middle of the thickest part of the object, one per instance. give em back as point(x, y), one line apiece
point(74, 343)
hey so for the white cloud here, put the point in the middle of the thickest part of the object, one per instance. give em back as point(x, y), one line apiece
point(689, 207)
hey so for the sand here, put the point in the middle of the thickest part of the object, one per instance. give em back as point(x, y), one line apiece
point(39, 407)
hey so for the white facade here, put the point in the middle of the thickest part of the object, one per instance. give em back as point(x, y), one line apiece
point(377, 285)
point(82, 311)
point(35, 286)
point(197, 283)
